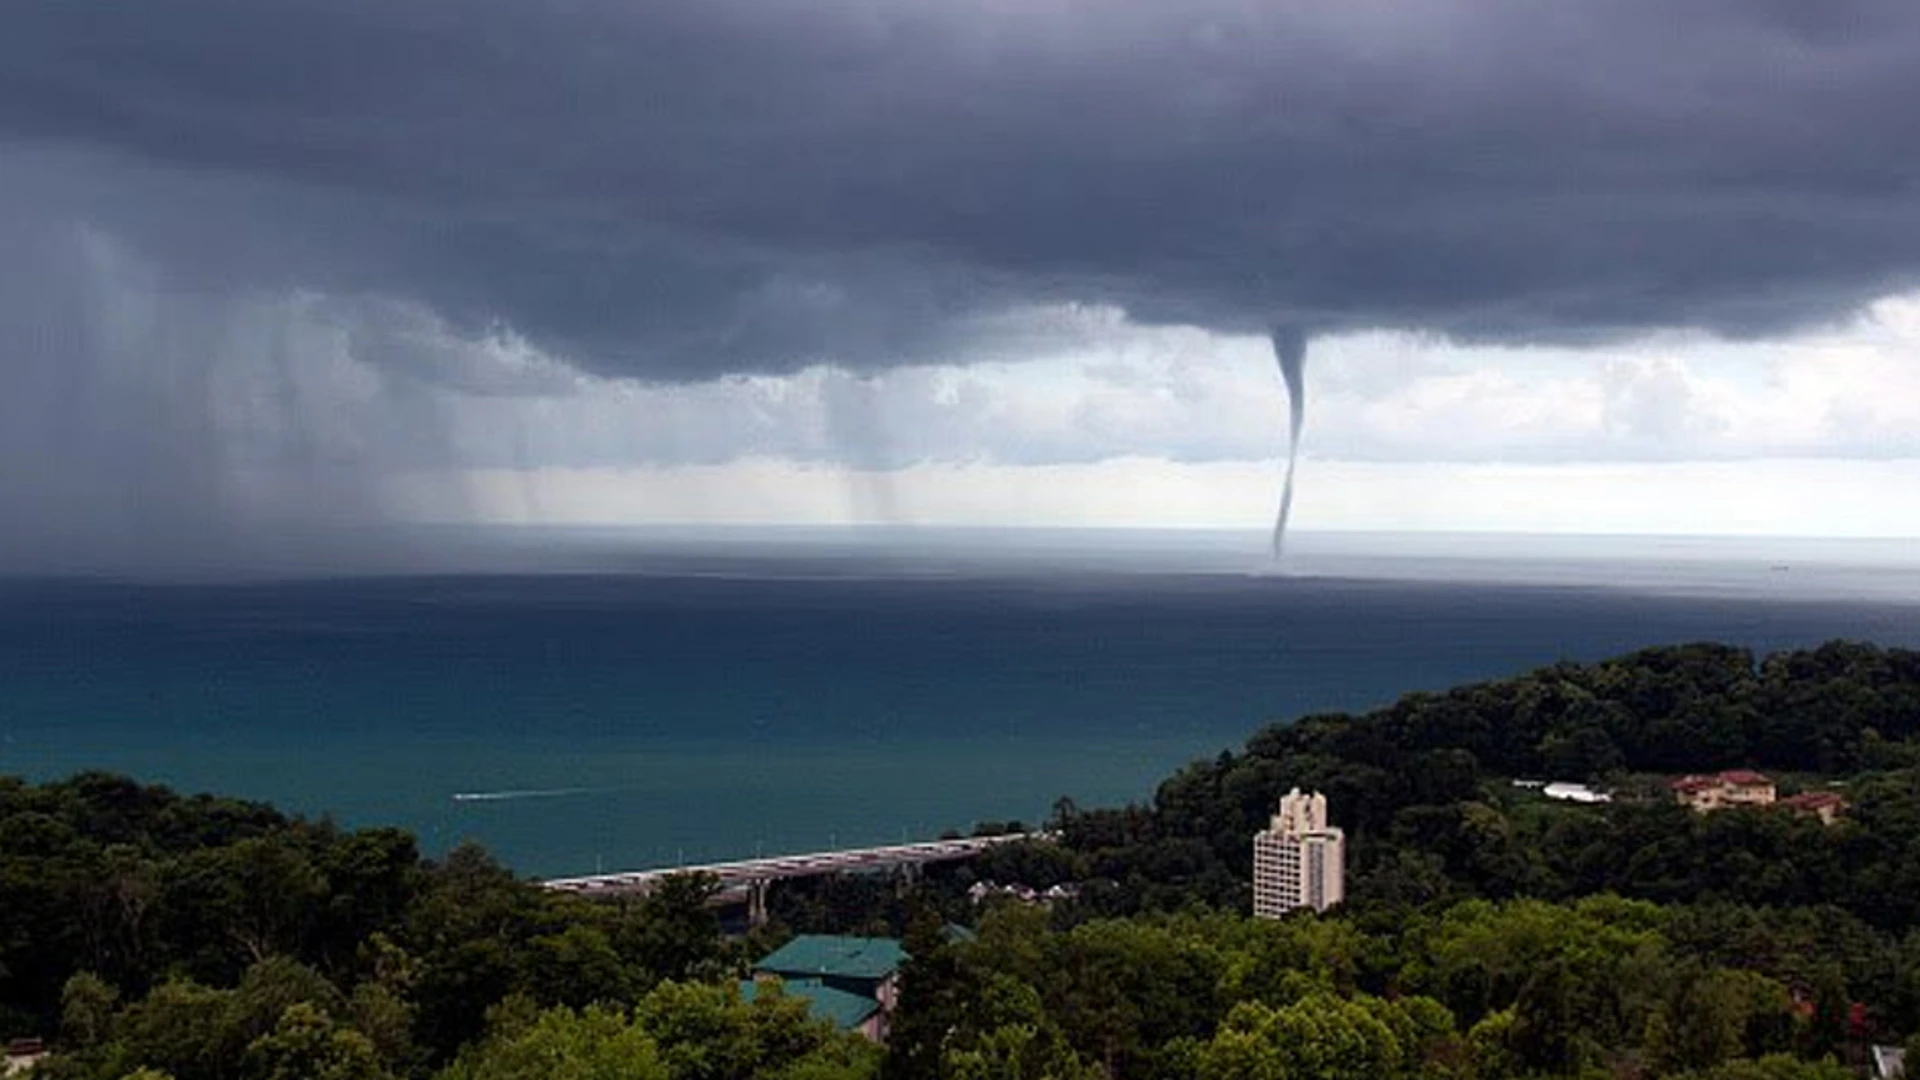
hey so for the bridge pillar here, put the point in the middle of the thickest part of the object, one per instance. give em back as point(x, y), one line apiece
point(757, 901)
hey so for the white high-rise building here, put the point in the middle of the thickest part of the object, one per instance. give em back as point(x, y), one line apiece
point(1300, 860)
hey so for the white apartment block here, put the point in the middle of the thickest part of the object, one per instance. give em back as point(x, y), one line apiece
point(1300, 860)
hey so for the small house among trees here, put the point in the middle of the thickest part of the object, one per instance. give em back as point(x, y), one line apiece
point(1824, 805)
point(839, 977)
point(1735, 787)
point(21, 1056)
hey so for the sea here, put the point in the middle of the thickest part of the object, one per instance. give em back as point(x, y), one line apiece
point(586, 701)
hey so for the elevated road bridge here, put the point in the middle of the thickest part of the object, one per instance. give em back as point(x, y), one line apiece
point(748, 879)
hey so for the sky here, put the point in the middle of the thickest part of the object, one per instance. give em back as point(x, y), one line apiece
point(281, 277)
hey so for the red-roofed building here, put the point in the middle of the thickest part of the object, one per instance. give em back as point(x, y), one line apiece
point(1735, 787)
point(1824, 805)
point(21, 1056)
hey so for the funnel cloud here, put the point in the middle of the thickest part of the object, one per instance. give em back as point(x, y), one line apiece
point(1290, 350)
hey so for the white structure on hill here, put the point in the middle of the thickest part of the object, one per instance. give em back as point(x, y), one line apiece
point(1300, 860)
point(1579, 793)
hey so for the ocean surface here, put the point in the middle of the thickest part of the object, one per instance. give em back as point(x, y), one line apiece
point(607, 701)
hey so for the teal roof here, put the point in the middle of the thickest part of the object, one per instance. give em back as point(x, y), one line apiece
point(847, 1011)
point(817, 955)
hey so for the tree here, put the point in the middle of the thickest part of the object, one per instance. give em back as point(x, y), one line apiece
point(270, 988)
point(263, 892)
point(88, 1005)
point(577, 966)
point(1119, 989)
point(386, 1019)
point(1490, 1046)
point(1711, 1016)
point(466, 932)
point(673, 932)
point(183, 1028)
point(1775, 1067)
point(677, 1032)
point(1017, 1052)
point(307, 1044)
point(596, 1043)
point(935, 989)
point(1319, 1037)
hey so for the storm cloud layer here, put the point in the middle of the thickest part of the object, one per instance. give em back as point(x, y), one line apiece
point(300, 213)
point(676, 189)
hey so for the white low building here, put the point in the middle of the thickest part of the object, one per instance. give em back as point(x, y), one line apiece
point(1579, 793)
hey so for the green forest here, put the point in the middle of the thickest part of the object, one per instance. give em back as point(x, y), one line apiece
point(1489, 933)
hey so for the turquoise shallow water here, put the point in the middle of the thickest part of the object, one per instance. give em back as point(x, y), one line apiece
point(616, 721)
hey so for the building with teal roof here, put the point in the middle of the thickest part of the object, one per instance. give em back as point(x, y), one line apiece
point(864, 967)
point(858, 965)
point(848, 1012)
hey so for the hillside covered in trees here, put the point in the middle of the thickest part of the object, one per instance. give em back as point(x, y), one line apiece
point(1489, 934)
point(1421, 788)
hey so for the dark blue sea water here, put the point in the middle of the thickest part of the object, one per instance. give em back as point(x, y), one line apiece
point(701, 704)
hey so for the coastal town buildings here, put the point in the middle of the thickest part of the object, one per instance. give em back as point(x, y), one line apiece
point(1299, 860)
point(982, 891)
point(1735, 787)
point(1743, 787)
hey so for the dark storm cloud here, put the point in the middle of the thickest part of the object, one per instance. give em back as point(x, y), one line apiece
point(151, 429)
point(679, 187)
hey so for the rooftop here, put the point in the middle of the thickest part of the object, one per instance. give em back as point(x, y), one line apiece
point(840, 957)
point(1734, 777)
point(1567, 792)
point(846, 1011)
